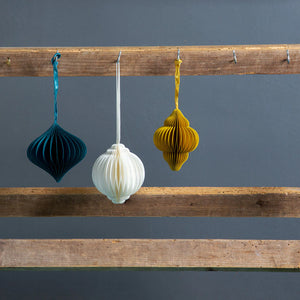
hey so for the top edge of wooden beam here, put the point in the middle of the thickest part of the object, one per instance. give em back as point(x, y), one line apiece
point(153, 202)
point(151, 60)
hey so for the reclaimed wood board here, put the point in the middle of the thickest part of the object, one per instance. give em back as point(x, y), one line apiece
point(152, 61)
point(153, 202)
point(150, 254)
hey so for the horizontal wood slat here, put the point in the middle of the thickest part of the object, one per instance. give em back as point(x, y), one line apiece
point(152, 61)
point(153, 202)
point(140, 254)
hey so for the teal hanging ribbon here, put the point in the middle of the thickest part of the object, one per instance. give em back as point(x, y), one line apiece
point(54, 62)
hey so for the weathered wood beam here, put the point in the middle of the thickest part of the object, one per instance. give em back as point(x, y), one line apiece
point(153, 202)
point(140, 254)
point(152, 61)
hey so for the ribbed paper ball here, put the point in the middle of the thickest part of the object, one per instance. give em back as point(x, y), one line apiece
point(118, 173)
point(176, 139)
point(56, 151)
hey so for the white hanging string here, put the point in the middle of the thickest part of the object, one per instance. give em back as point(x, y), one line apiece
point(118, 102)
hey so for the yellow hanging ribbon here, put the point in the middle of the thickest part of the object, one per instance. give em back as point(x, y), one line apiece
point(177, 80)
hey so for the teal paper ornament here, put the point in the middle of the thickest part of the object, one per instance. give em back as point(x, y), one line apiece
point(56, 151)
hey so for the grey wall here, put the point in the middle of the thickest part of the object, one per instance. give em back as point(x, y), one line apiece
point(248, 125)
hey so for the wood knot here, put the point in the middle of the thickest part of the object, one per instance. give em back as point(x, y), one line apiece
point(260, 202)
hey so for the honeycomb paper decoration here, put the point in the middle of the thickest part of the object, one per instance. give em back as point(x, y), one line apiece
point(56, 151)
point(118, 173)
point(176, 138)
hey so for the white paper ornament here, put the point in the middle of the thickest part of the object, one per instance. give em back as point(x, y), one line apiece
point(118, 173)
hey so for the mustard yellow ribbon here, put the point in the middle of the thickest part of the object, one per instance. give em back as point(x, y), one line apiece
point(177, 80)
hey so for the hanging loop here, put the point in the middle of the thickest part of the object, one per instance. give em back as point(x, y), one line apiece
point(118, 60)
point(178, 54)
point(288, 59)
point(178, 62)
point(8, 61)
point(234, 56)
point(54, 62)
point(55, 57)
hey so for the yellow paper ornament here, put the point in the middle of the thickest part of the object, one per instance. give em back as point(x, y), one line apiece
point(176, 138)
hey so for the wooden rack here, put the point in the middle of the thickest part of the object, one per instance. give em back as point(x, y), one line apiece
point(139, 254)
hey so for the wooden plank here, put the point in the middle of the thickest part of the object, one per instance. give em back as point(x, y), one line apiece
point(137, 254)
point(153, 202)
point(152, 61)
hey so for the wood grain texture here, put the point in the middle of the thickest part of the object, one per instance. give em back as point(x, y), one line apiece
point(152, 61)
point(137, 254)
point(153, 202)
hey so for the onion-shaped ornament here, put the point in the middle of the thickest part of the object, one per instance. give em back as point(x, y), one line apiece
point(118, 173)
point(176, 138)
point(56, 151)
